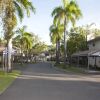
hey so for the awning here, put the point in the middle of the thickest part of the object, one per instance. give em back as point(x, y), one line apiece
point(87, 53)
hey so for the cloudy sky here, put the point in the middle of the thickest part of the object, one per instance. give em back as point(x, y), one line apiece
point(41, 21)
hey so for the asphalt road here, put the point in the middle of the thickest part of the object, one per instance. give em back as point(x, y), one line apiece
point(43, 82)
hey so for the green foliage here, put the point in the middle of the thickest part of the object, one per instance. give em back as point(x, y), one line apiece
point(23, 40)
point(51, 49)
point(6, 79)
point(77, 40)
point(70, 11)
point(56, 32)
point(96, 32)
point(9, 20)
point(10, 9)
point(28, 42)
point(75, 43)
point(22, 6)
point(39, 48)
point(88, 31)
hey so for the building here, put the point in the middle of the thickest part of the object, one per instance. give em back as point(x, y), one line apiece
point(94, 58)
point(89, 58)
point(3, 54)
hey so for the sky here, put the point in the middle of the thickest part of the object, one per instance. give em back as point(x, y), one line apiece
point(40, 22)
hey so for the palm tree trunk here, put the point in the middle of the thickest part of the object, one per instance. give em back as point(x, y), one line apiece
point(65, 41)
point(27, 54)
point(9, 51)
point(5, 67)
point(57, 52)
point(21, 55)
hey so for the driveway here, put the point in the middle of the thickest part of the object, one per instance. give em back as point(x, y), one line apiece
point(41, 81)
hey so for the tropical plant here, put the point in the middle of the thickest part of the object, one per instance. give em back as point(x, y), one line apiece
point(69, 12)
point(23, 40)
point(9, 10)
point(87, 31)
point(76, 42)
point(96, 32)
point(56, 32)
point(39, 48)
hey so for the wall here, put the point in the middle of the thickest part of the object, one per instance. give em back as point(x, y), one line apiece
point(91, 61)
point(94, 45)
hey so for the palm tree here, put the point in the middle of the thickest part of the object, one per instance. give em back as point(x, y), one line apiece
point(17, 6)
point(69, 12)
point(9, 10)
point(56, 35)
point(24, 40)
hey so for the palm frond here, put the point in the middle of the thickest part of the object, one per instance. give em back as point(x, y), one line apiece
point(19, 10)
point(27, 6)
point(57, 10)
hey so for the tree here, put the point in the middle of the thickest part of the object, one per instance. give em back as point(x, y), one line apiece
point(23, 40)
point(56, 31)
point(38, 48)
point(96, 32)
point(9, 9)
point(51, 50)
point(75, 43)
point(69, 12)
point(87, 31)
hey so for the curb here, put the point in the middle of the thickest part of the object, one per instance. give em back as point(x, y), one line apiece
point(7, 87)
point(86, 72)
point(60, 69)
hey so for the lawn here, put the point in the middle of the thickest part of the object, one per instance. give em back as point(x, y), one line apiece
point(6, 79)
point(71, 68)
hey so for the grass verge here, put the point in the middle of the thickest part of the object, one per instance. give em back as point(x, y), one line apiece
point(71, 68)
point(6, 79)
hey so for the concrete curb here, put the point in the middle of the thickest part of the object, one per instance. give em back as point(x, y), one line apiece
point(60, 69)
point(86, 72)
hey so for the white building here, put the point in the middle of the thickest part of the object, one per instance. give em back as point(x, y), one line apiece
point(94, 47)
point(91, 57)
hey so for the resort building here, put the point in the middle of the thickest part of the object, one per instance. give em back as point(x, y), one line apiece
point(89, 58)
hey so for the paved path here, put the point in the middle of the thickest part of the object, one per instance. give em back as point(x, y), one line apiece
point(43, 82)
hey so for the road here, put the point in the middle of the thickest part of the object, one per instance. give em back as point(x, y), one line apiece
point(41, 81)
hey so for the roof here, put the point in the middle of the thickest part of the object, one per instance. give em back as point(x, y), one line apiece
point(95, 39)
point(2, 48)
point(86, 53)
point(17, 54)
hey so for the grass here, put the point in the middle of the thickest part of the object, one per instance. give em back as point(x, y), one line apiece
point(6, 79)
point(70, 68)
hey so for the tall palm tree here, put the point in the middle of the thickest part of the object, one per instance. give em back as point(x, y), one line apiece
point(56, 35)
point(9, 10)
point(69, 12)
